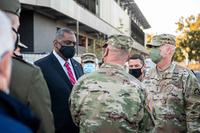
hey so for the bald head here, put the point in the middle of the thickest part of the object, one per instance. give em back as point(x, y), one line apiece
point(115, 55)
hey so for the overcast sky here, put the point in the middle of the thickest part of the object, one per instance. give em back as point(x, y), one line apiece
point(163, 14)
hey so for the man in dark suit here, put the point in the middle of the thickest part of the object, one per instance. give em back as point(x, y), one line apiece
point(61, 72)
point(27, 82)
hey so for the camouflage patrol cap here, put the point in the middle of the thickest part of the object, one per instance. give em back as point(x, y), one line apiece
point(121, 41)
point(159, 40)
point(88, 57)
point(12, 6)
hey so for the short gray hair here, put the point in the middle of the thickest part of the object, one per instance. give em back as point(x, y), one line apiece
point(6, 40)
point(60, 32)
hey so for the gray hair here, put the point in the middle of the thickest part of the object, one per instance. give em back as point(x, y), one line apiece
point(60, 32)
point(6, 40)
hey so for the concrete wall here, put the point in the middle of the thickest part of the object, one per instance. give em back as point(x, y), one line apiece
point(44, 32)
point(111, 20)
point(113, 14)
point(74, 10)
point(37, 2)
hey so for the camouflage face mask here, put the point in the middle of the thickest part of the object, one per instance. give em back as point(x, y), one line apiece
point(155, 55)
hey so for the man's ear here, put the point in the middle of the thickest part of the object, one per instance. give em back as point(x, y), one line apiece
point(56, 44)
point(166, 50)
point(170, 49)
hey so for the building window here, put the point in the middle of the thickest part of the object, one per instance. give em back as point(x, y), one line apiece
point(91, 5)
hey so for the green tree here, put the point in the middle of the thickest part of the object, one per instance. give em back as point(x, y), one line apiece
point(149, 37)
point(188, 39)
point(179, 55)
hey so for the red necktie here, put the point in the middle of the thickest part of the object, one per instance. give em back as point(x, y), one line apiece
point(70, 74)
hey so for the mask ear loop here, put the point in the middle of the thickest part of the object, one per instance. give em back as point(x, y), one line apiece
point(142, 66)
point(14, 30)
point(17, 40)
point(55, 41)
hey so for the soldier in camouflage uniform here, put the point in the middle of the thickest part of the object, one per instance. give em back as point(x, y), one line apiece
point(89, 62)
point(110, 95)
point(173, 91)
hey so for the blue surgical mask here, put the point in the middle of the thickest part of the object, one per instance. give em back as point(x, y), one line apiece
point(89, 67)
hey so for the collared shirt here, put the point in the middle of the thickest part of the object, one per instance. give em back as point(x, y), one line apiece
point(62, 63)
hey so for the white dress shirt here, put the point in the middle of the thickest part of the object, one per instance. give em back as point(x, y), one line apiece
point(62, 63)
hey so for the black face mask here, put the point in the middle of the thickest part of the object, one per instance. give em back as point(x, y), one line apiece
point(135, 72)
point(67, 51)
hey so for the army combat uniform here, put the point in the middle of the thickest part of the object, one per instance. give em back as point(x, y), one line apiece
point(109, 95)
point(173, 97)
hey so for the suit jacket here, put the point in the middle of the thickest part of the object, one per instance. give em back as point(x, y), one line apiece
point(14, 112)
point(60, 88)
point(28, 85)
point(6, 123)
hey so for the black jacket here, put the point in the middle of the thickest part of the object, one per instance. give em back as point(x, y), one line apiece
point(11, 107)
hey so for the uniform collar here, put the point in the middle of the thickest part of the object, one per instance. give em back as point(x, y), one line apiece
point(170, 69)
point(114, 66)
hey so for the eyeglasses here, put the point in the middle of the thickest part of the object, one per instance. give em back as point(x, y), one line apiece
point(13, 29)
point(17, 35)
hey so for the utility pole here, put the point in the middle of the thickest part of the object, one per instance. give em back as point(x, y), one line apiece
point(77, 36)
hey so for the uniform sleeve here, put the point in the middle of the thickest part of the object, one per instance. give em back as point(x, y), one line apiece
point(74, 103)
point(40, 102)
point(192, 103)
point(147, 123)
